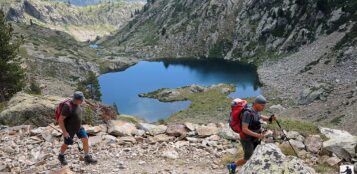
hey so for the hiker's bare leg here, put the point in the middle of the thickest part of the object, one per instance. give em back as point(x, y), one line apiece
point(85, 145)
point(241, 162)
point(63, 148)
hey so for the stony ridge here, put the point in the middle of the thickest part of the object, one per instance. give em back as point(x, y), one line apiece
point(175, 148)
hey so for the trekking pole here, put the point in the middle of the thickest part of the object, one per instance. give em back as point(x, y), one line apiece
point(281, 129)
point(79, 148)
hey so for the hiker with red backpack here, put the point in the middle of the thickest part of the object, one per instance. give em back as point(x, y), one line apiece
point(247, 121)
point(68, 116)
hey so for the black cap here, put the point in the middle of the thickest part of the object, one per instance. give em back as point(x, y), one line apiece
point(260, 100)
point(78, 95)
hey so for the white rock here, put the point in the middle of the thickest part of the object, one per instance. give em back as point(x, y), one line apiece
point(268, 158)
point(297, 144)
point(313, 143)
point(340, 143)
point(206, 131)
point(170, 153)
point(121, 128)
point(332, 161)
point(152, 129)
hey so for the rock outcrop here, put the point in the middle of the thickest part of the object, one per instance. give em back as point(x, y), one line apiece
point(341, 143)
point(268, 158)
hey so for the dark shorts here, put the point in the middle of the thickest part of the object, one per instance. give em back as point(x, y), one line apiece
point(249, 146)
point(80, 134)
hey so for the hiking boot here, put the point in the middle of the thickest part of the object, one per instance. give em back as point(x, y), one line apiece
point(62, 159)
point(89, 160)
point(231, 168)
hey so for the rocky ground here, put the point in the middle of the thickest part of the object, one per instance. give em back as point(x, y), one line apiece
point(123, 147)
point(317, 83)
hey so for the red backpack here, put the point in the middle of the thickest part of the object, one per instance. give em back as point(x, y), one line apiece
point(235, 122)
point(59, 108)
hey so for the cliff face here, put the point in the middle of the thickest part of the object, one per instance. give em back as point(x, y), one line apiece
point(233, 29)
point(83, 23)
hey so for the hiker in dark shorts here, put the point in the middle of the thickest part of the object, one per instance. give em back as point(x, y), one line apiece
point(251, 128)
point(70, 123)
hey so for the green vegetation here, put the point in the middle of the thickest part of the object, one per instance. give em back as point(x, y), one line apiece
point(128, 118)
point(220, 49)
point(90, 87)
point(11, 73)
point(229, 158)
point(325, 168)
point(211, 105)
point(89, 116)
point(348, 38)
point(290, 124)
point(287, 150)
point(2, 106)
point(34, 88)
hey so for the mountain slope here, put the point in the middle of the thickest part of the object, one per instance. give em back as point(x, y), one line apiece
point(233, 29)
point(83, 23)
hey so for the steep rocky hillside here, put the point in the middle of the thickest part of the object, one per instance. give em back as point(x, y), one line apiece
point(247, 30)
point(57, 62)
point(84, 23)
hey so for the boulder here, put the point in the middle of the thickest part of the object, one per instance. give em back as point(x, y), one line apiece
point(121, 128)
point(129, 139)
point(206, 131)
point(190, 126)
point(318, 91)
point(170, 153)
point(292, 134)
point(267, 158)
point(276, 108)
point(95, 140)
point(152, 129)
point(313, 143)
point(197, 88)
point(227, 133)
point(92, 130)
point(297, 144)
point(30, 109)
point(332, 161)
point(109, 139)
point(340, 142)
point(176, 130)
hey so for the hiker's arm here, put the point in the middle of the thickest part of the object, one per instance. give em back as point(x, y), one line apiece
point(61, 124)
point(264, 117)
point(247, 131)
point(267, 118)
point(64, 114)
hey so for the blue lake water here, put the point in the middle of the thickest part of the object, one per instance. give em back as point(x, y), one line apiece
point(123, 87)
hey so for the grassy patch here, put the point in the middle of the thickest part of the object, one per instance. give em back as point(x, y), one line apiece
point(287, 150)
point(324, 168)
point(211, 105)
point(229, 158)
point(3, 106)
point(290, 124)
point(128, 118)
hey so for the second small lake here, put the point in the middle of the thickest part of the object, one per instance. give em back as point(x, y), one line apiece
point(123, 87)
